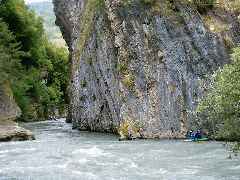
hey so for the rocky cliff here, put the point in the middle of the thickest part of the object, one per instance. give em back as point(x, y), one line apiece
point(9, 111)
point(142, 61)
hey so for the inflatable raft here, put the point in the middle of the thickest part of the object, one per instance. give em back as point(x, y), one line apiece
point(197, 140)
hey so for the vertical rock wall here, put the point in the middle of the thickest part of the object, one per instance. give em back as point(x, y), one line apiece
point(137, 62)
point(9, 110)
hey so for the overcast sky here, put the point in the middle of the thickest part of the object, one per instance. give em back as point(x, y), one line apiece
point(31, 1)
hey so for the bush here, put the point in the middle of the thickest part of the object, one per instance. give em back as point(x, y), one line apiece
point(220, 107)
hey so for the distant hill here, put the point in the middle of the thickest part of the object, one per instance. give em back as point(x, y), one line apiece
point(45, 10)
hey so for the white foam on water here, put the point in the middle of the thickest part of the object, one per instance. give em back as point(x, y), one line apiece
point(235, 167)
point(163, 171)
point(23, 169)
point(154, 174)
point(188, 171)
point(127, 164)
point(2, 156)
point(92, 152)
point(85, 175)
point(133, 165)
point(160, 171)
point(160, 151)
point(17, 150)
point(62, 166)
point(86, 158)
point(83, 161)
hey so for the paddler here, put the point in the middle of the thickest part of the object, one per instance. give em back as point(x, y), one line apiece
point(189, 134)
point(197, 135)
point(141, 133)
point(130, 133)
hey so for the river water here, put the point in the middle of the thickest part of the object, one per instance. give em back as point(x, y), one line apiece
point(60, 153)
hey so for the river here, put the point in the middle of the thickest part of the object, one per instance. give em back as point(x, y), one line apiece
point(60, 153)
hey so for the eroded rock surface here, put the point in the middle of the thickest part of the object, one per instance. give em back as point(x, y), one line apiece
point(138, 62)
point(10, 131)
point(9, 111)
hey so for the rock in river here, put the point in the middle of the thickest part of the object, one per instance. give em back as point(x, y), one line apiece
point(10, 131)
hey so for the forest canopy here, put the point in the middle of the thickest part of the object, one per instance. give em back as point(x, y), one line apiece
point(36, 69)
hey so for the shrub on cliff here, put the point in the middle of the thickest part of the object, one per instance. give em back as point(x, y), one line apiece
point(128, 126)
point(221, 107)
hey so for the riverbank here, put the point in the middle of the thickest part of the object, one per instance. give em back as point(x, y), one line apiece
point(11, 131)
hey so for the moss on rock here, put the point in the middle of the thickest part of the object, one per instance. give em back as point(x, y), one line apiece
point(129, 126)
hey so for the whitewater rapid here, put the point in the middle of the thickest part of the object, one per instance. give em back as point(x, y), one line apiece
point(60, 153)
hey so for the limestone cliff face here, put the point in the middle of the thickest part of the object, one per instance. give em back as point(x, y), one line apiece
point(142, 62)
point(9, 110)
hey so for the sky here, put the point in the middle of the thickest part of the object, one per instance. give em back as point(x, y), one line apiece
point(31, 1)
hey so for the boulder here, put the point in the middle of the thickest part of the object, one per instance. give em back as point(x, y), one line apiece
point(9, 111)
point(10, 131)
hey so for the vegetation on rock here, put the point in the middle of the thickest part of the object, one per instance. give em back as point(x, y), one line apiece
point(128, 126)
point(129, 81)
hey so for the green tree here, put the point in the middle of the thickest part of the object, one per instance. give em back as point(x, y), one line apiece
point(220, 109)
point(42, 67)
point(58, 76)
point(9, 54)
